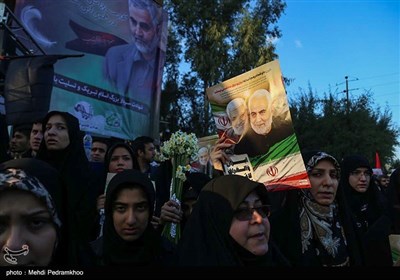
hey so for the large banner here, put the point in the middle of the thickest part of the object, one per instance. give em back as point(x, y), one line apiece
point(114, 89)
point(251, 112)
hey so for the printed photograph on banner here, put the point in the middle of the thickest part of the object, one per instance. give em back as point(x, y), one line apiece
point(118, 78)
point(251, 113)
point(203, 162)
point(239, 165)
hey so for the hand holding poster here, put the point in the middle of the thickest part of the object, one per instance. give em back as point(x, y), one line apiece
point(251, 113)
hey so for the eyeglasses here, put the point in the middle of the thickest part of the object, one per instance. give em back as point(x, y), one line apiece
point(358, 173)
point(246, 214)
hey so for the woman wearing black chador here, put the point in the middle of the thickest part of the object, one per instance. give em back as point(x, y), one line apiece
point(62, 148)
point(369, 209)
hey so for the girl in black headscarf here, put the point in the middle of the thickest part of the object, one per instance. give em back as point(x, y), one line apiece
point(119, 157)
point(62, 147)
point(369, 208)
point(129, 238)
point(56, 149)
point(313, 228)
point(30, 185)
point(229, 226)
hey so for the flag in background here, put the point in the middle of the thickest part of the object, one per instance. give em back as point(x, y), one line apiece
point(378, 169)
point(377, 161)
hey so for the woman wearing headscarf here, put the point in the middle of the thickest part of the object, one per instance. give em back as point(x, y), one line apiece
point(229, 226)
point(313, 227)
point(118, 158)
point(62, 147)
point(30, 211)
point(129, 239)
point(369, 209)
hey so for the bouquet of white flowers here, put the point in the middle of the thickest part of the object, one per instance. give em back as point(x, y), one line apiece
point(180, 148)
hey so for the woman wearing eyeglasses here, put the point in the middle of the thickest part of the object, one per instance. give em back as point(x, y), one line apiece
point(369, 210)
point(229, 226)
point(314, 228)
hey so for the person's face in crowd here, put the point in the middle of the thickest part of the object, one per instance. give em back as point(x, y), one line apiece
point(187, 207)
point(203, 156)
point(359, 179)
point(260, 115)
point(384, 182)
point(19, 143)
point(98, 151)
point(239, 119)
point(131, 213)
point(56, 135)
point(149, 152)
point(145, 34)
point(251, 231)
point(121, 159)
point(324, 180)
point(25, 220)
point(36, 136)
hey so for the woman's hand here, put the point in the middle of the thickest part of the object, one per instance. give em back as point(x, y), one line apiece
point(101, 200)
point(218, 155)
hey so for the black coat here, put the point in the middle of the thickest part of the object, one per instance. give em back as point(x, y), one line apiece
point(371, 213)
point(206, 240)
point(111, 249)
point(75, 174)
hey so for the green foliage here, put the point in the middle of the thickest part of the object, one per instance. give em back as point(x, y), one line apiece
point(395, 163)
point(325, 124)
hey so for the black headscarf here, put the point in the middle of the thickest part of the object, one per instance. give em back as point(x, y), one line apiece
point(111, 150)
point(359, 202)
point(370, 212)
point(74, 169)
point(61, 158)
point(143, 251)
point(206, 240)
point(100, 182)
point(43, 181)
point(71, 162)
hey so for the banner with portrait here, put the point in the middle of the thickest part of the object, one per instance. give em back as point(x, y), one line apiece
point(251, 112)
point(203, 162)
point(114, 89)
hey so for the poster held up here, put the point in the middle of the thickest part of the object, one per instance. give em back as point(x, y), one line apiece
point(251, 112)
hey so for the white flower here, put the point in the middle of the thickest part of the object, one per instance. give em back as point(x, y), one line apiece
point(180, 143)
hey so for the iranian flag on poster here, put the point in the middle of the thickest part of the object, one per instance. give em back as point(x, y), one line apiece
point(251, 112)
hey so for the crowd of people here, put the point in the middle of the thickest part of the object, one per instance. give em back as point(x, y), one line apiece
point(59, 207)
